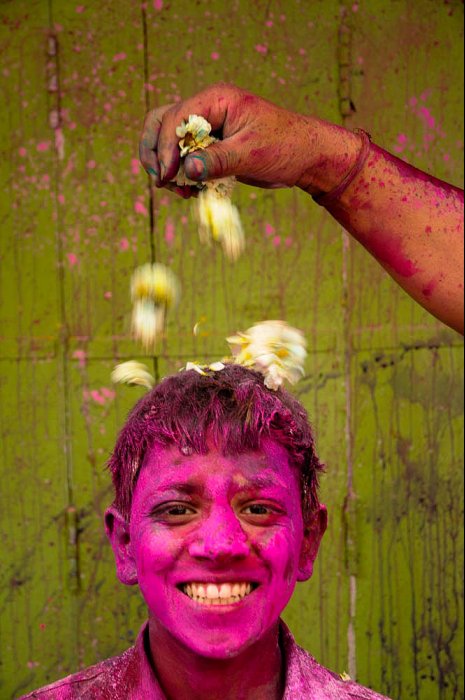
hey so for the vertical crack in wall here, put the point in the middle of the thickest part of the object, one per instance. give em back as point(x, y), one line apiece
point(344, 61)
point(151, 208)
point(55, 123)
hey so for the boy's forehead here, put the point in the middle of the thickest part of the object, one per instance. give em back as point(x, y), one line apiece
point(265, 467)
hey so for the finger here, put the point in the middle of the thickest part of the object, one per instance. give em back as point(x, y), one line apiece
point(149, 140)
point(184, 191)
point(221, 159)
point(212, 104)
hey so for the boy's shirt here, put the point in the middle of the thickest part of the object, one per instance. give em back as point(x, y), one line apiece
point(130, 676)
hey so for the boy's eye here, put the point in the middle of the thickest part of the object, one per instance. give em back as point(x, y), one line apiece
point(173, 511)
point(257, 509)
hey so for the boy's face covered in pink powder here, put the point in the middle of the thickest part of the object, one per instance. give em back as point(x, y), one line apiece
point(216, 544)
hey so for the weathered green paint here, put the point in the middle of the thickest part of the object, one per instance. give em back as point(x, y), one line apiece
point(383, 378)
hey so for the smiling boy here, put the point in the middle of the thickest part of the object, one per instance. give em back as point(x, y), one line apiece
point(216, 517)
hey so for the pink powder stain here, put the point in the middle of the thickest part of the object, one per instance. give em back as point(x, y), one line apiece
point(119, 56)
point(157, 4)
point(429, 288)
point(81, 357)
point(289, 241)
point(214, 55)
point(276, 241)
point(401, 143)
point(269, 230)
point(427, 117)
point(388, 252)
point(107, 107)
point(43, 146)
point(135, 166)
point(108, 393)
point(61, 198)
point(302, 52)
point(72, 259)
point(261, 48)
point(413, 101)
point(139, 208)
point(96, 396)
point(184, 220)
point(269, 22)
point(107, 295)
point(80, 9)
point(91, 164)
point(446, 157)
point(355, 7)
point(22, 152)
point(124, 244)
point(169, 232)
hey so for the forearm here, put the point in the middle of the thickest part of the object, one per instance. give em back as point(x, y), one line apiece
point(412, 224)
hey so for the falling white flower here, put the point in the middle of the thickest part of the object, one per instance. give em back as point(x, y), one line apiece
point(154, 290)
point(132, 373)
point(273, 348)
point(194, 134)
point(219, 219)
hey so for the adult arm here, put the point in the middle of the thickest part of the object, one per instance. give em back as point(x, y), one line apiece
point(411, 222)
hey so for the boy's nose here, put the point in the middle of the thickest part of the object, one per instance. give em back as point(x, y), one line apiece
point(220, 537)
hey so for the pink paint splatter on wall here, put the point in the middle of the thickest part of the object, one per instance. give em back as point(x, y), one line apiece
point(140, 208)
point(81, 357)
point(169, 232)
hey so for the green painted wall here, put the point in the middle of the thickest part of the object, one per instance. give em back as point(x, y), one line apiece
point(383, 382)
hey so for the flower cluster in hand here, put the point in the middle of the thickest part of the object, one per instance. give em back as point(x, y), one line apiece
point(273, 348)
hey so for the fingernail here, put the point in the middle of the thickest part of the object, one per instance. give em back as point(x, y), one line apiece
point(196, 168)
point(162, 170)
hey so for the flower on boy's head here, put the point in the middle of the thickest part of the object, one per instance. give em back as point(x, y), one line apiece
point(132, 373)
point(202, 369)
point(154, 289)
point(273, 348)
point(194, 134)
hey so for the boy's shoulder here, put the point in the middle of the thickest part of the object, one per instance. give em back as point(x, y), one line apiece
point(306, 678)
point(108, 680)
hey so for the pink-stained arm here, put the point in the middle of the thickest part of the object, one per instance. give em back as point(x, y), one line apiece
point(412, 223)
point(409, 221)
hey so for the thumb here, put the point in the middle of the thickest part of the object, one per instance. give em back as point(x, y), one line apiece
point(218, 160)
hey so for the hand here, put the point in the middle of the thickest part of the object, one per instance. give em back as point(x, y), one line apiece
point(261, 144)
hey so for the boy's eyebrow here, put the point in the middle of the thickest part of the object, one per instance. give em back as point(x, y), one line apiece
point(264, 481)
point(188, 488)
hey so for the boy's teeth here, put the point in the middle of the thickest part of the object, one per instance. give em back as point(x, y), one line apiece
point(213, 594)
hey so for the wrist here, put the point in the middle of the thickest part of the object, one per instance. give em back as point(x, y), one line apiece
point(333, 152)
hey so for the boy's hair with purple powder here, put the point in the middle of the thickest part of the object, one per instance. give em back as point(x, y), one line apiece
point(231, 407)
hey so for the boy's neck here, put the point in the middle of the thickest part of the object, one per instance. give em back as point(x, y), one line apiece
point(254, 674)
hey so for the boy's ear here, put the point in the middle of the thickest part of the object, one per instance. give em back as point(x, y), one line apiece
point(314, 531)
point(117, 529)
